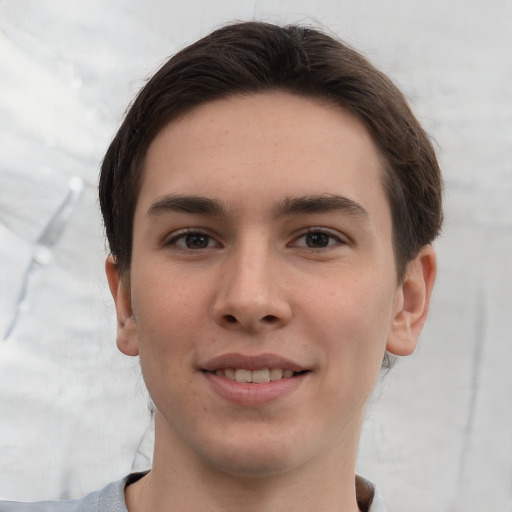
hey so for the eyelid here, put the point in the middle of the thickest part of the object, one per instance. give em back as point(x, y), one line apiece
point(172, 238)
point(340, 238)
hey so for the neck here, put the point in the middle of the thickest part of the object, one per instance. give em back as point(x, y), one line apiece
point(178, 478)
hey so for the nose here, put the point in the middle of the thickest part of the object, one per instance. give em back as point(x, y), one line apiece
point(252, 293)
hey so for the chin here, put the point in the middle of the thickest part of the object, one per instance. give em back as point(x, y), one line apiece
point(255, 458)
point(259, 468)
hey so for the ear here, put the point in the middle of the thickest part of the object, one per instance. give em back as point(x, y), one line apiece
point(127, 338)
point(412, 303)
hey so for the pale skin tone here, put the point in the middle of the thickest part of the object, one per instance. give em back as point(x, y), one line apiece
point(262, 234)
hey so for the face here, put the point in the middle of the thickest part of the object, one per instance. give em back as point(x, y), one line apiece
point(263, 289)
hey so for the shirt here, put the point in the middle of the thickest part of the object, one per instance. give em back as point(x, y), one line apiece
point(111, 499)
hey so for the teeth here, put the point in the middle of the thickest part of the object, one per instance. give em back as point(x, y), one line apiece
point(260, 375)
point(276, 374)
point(255, 376)
point(243, 375)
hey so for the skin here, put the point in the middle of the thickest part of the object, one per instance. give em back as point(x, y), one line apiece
point(271, 269)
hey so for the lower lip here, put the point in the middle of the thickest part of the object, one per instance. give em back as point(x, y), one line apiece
point(253, 394)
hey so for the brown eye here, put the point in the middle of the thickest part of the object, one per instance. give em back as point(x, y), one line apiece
point(196, 241)
point(193, 241)
point(317, 240)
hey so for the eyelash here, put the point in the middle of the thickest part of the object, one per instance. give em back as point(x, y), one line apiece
point(182, 235)
point(333, 240)
point(337, 240)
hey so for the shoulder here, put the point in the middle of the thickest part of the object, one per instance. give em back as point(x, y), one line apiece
point(40, 506)
point(109, 499)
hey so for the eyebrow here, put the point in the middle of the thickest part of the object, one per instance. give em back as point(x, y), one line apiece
point(288, 206)
point(320, 204)
point(187, 204)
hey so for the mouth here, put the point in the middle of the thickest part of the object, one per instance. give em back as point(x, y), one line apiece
point(258, 376)
point(253, 379)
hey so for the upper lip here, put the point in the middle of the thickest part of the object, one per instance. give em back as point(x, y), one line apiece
point(250, 362)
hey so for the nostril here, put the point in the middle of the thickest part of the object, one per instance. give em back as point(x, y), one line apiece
point(249, 321)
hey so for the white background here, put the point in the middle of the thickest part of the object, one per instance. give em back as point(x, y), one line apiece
point(73, 411)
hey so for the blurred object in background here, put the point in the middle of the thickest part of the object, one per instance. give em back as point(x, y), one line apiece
point(74, 413)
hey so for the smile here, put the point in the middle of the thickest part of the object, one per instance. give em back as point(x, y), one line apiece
point(253, 380)
point(255, 376)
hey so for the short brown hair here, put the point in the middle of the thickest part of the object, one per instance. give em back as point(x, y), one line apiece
point(255, 57)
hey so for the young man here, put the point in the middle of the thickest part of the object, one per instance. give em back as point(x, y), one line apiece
point(269, 202)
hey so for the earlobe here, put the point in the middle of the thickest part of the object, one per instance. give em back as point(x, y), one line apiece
point(412, 303)
point(127, 338)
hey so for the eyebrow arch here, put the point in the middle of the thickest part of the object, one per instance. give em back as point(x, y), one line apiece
point(320, 204)
point(187, 204)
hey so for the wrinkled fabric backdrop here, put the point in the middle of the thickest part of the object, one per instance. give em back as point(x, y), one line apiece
point(73, 411)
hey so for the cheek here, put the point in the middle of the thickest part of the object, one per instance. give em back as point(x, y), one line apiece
point(165, 322)
point(360, 306)
point(353, 322)
point(164, 302)
point(172, 312)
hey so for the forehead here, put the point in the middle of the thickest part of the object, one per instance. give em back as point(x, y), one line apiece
point(265, 145)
